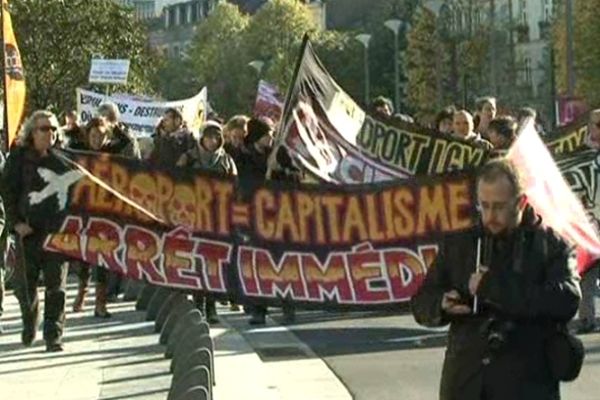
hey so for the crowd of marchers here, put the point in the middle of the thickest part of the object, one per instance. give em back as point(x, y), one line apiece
point(525, 283)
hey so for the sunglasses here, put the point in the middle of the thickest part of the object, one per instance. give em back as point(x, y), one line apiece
point(47, 128)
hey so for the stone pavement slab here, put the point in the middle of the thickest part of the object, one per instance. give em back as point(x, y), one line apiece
point(120, 358)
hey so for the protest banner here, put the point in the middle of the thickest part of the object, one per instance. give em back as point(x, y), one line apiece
point(268, 102)
point(570, 138)
point(142, 116)
point(109, 71)
point(329, 135)
point(322, 246)
point(549, 193)
point(15, 91)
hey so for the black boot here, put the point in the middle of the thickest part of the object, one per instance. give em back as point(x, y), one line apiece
point(211, 312)
point(259, 314)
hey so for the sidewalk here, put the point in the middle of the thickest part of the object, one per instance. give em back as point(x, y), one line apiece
point(120, 358)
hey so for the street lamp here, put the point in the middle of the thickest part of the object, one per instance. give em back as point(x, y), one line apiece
point(258, 65)
point(394, 25)
point(365, 38)
point(571, 79)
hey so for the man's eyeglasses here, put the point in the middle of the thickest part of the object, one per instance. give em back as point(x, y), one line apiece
point(47, 128)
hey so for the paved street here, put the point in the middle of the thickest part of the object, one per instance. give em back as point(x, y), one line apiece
point(120, 359)
point(380, 356)
point(326, 355)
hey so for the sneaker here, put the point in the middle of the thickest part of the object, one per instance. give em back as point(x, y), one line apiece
point(104, 314)
point(257, 319)
point(27, 337)
point(54, 347)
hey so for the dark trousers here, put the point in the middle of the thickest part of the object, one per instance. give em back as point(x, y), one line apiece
point(1, 288)
point(205, 302)
point(115, 283)
point(55, 277)
point(84, 273)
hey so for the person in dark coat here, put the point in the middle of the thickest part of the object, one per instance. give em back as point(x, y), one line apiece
point(94, 138)
point(3, 238)
point(502, 132)
point(120, 139)
point(171, 140)
point(235, 132)
point(252, 163)
point(525, 286)
point(209, 155)
point(462, 128)
point(20, 178)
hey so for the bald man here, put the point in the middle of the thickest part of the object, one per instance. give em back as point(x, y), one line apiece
point(462, 128)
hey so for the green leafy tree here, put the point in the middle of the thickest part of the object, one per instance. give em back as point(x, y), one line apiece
point(218, 60)
point(587, 53)
point(423, 68)
point(275, 34)
point(57, 39)
point(175, 78)
point(381, 50)
point(338, 52)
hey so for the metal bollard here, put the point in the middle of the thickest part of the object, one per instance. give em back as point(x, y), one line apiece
point(191, 317)
point(174, 316)
point(197, 376)
point(185, 331)
point(196, 342)
point(195, 393)
point(132, 289)
point(144, 297)
point(156, 302)
point(200, 356)
point(173, 301)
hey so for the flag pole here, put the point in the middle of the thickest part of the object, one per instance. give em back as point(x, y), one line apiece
point(4, 140)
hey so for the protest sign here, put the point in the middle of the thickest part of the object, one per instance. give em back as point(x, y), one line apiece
point(331, 137)
point(140, 115)
point(355, 246)
point(109, 71)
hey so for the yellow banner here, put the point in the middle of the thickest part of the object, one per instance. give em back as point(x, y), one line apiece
point(14, 78)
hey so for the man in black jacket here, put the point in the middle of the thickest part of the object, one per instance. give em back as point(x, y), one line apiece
point(500, 312)
point(3, 235)
point(19, 180)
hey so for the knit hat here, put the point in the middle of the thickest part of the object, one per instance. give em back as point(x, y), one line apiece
point(212, 127)
point(257, 128)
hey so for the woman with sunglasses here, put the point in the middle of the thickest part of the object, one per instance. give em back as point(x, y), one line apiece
point(32, 151)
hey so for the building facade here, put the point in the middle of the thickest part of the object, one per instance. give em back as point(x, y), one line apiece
point(147, 9)
point(519, 60)
point(176, 26)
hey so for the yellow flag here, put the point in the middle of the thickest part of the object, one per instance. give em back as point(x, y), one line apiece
point(14, 79)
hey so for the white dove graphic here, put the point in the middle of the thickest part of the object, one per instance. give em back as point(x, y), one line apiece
point(57, 184)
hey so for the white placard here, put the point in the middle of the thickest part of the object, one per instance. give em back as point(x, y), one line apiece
point(109, 71)
point(143, 116)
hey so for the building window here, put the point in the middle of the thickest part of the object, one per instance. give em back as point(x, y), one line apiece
point(195, 9)
point(458, 19)
point(528, 79)
point(172, 17)
point(477, 17)
point(183, 14)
